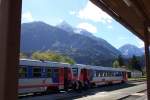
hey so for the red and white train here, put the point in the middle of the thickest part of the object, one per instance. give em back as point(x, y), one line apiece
point(41, 76)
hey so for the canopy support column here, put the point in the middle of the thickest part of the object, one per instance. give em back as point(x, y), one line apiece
point(10, 22)
point(147, 60)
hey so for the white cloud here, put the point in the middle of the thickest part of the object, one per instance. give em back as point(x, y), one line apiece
point(72, 12)
point(92, 12)
point(110, 27)
point(141, 43)
point(122, 38)
point(89, 27)
point(27, 17)
point(60, 20)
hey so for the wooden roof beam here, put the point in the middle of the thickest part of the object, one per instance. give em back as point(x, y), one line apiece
point(101, 4)
point(139, 7)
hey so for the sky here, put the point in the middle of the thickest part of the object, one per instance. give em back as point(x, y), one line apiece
point(81, 14)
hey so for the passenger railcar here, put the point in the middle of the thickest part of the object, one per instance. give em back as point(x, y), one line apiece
point(41, 76)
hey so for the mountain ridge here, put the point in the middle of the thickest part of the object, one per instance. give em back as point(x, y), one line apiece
point(128, 50)
point(38, 36)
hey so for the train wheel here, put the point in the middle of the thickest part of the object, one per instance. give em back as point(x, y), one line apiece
point(122, 81)
point(52, 90)
point(74, 86)
point(93, 85)
point(80, 85)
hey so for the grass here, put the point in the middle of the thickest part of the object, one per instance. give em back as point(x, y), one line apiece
point(143, 78)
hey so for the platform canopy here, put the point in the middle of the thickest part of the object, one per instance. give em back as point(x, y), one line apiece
point(133, 14)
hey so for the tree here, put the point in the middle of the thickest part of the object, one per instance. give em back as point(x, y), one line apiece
point(23, 55)
point(135, 63)
point(120, 60)
point(116, 64)
point(51, 56)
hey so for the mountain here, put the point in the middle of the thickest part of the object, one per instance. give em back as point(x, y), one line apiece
point(39, 36)
point(143, 49)
point(65, 26)
point(129, 50)
point(68, 28)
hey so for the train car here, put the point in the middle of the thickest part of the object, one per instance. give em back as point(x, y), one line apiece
point(98, 75)
point(108, 75)
point(41, 76)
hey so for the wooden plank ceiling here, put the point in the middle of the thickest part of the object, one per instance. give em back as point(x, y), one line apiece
point(133, 14)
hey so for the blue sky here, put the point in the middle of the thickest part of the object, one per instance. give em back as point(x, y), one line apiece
point(81, 14)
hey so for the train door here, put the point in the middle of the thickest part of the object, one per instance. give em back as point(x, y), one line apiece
point(85, 74)
point(91, 74)
point(125, 76)
point(55, 75)
point(66, 78)
point(85, 77)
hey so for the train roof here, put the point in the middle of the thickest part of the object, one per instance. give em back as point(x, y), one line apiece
point(107, 68)
point(31, 62)
point(98, 67)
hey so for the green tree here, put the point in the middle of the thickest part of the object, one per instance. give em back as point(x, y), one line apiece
point(120, 60)
point(116, 64)
point(23, 55)
point(135, 63)
point(51, 56)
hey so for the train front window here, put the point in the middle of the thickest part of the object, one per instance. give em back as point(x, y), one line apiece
point(49, 72)
point(97, 73)
point(55, 72)
point(75, 71)
point(22, 72)
point(36, 72)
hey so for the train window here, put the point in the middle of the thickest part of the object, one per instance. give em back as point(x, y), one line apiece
point(22, 72)
point(101, 74)
point(104, 74)
point(95, 73)
point(112, 74)
point(75, 71)
point(55, 72)
point(108, 74)
point(49, 72)
point(120, 74)
point(37, 72)
point(117, 74)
